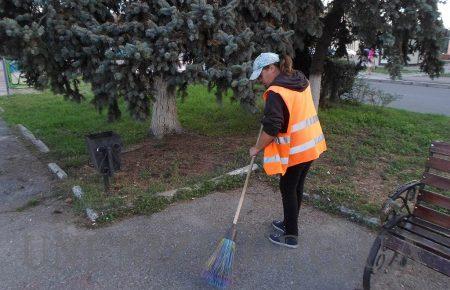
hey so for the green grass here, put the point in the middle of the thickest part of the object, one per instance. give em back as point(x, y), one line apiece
point(200, 113)
point(112, 208)
point(381, 131)
point(384, 70)
point(62, 125)
point(31, 203)
point(371, 150)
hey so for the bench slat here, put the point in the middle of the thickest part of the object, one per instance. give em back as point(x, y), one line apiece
point(441, 144)
point(440, 148)
point(418, 254)
point(436, 181)
point(425, 236)
point(426, 233)
point(432, 227)
point(439, 164)
point(442, 151)
point(433, 198)
point(421, 242)
point(432, 216)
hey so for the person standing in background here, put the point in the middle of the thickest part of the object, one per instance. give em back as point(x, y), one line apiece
point(371, 59)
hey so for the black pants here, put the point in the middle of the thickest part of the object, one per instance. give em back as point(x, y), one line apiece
point(291, 187)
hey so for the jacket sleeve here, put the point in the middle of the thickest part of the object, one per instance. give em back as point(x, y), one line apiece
point(275, 111)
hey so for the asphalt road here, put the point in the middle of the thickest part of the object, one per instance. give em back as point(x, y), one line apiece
point(417, 98)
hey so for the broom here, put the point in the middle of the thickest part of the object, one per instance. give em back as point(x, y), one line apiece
point(219, 266)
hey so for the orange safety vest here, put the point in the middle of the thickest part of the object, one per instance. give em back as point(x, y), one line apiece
point(303, 141)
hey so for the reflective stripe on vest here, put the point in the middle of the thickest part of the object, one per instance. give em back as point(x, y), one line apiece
point(276, 158)
point(282, 140)
point(304, 124)
point(297, 127)
point(295, 150)
point(307, 145)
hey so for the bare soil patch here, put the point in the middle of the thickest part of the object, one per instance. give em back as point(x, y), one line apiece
point(174, 160)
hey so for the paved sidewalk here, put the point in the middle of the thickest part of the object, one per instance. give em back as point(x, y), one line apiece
point(167, 250)
point(409, 79)
point(22, 175)
point(415, 78)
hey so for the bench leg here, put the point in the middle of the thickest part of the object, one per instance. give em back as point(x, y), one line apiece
point(403, 261)
point(370, 263)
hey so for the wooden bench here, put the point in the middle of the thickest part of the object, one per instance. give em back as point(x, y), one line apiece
point(416, 220)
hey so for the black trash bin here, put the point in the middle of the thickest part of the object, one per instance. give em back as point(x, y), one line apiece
point(104, 150)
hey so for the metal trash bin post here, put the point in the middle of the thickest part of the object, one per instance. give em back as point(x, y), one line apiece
point(104, 151)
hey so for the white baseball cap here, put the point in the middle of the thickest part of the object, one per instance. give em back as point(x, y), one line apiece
point(263, 60)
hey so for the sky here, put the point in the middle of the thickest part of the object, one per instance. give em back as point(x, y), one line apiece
point(445, 13)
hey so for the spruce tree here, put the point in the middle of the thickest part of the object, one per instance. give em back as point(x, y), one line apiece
point(399, 27)
point(131, 49)
point(54, 42)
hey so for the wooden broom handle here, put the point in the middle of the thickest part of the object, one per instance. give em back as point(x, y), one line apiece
point(241, 200)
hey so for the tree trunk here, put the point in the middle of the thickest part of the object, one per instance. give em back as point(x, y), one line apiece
point(315, 81)
point(331, 24)
point(164, 116)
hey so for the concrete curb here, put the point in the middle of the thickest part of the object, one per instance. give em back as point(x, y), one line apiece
point(370, 221)
point(412, 83)
point(91, 214)
point(240, 171)
point(25, 132)
point(29, 136)
point(243, 170)
point(41, 146)
point(77, 191)
point(57, 170)
point(349, 213)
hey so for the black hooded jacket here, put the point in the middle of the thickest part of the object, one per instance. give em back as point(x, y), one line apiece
point(276, 114)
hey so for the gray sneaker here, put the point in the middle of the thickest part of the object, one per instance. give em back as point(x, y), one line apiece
point(284, 240)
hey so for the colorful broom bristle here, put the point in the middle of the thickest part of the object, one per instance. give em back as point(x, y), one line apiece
point(219, 266)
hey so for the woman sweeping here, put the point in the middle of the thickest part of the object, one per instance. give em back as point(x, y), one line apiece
point(292, 136)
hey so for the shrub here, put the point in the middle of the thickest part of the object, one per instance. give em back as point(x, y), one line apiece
point(338, 79)
point(361, 92)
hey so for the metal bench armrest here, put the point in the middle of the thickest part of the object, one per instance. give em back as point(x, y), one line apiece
point(392, 212)
point(406, 188)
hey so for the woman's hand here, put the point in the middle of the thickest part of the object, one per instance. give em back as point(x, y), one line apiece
point(264, 140)
point(253, 151)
